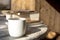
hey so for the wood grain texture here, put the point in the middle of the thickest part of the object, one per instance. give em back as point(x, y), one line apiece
point(50, 16)
point(17, 5)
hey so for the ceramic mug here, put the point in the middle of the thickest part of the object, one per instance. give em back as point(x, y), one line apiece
point(16, 27)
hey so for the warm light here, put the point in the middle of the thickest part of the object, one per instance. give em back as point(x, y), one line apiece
point(18, 13)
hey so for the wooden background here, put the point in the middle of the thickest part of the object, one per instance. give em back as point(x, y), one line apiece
point(50, 16)
point(17, 5)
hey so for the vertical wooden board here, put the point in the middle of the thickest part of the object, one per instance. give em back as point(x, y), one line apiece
point(12, 4)
point(27, 4)
point(46, 12)
point(16, 5)
point(42, 3)
point(42, 10)
point(37, 5)
point(42, 13)
point(48, 17)
point(23, 4)
point(52, 19)
point(30, 5)
point(57, 25)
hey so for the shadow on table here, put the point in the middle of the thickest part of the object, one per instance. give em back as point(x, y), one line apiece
point(31, 30)
point(3, 34)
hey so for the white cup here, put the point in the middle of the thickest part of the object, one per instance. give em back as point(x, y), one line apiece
point(16, 27)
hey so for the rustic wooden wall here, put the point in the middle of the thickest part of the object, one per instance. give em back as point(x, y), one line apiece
point(50, 16)
point(17, 5)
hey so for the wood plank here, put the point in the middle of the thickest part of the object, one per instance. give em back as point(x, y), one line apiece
point(45, 12)
point(17, 5)
point(57, 22)
point(52, 18)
